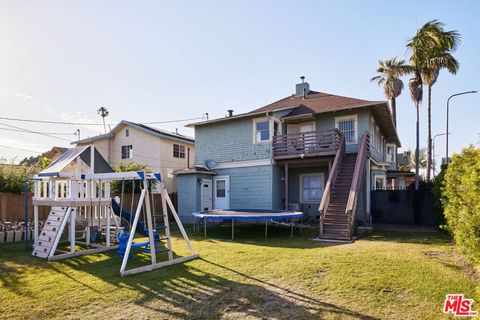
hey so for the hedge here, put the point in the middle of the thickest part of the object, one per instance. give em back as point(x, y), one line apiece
point(461, 201)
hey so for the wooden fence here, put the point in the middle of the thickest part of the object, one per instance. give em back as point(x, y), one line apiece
point(12, 206)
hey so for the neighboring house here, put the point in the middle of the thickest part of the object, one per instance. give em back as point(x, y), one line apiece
point(55, 153)
point(160, 150)
point(282, 155)
point(401, 177)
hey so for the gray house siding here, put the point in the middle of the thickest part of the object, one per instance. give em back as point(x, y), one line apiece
point(189, 195)
point(327, 121)
point(228, 141)
point(250, 187)
point(310, 209)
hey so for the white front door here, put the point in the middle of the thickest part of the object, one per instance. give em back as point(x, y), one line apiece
point(206, 195)
point(221, 192)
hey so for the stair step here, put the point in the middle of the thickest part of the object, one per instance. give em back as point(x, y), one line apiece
point(39, 254)
point(331, 237)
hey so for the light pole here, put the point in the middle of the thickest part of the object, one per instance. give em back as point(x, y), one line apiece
point(446, 136)
point(433, 147)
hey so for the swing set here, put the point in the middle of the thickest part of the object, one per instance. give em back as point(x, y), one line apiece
point(77, 187)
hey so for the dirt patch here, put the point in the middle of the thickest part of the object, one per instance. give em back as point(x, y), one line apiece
point(454, 260)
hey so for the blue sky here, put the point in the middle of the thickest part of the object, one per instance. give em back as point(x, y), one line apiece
point(157, 60)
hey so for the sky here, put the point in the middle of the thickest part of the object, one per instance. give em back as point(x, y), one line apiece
point(154, 61)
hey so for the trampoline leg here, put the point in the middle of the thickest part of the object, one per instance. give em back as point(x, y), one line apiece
point(233, 228)
point(205, 227)
point(266, 229)
point(291, 232)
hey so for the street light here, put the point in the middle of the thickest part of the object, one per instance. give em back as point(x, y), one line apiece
point(446, 136)
point(433, 147)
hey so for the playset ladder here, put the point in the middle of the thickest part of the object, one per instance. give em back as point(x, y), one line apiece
point(51, 232)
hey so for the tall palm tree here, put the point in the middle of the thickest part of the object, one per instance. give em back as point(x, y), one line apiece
point(432, 49)
point(388, 76)
point(103, 112)
point(416, 93)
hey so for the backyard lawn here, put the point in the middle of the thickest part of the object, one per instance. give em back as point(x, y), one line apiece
point(385, 275)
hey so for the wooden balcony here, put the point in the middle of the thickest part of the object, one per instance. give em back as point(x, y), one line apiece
point(307, 144)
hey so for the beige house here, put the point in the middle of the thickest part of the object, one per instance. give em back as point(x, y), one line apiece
point(160, 150)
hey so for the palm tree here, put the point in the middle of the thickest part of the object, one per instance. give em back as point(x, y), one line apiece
point(416, 93)
point(103, 112)
point(388, 76)
point(432, 49)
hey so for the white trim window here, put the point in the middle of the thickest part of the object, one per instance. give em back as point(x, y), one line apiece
point(348, 125)
point(178, 151)
point(127, 152)
point(390, 153)
point(261, 130)
point(380, 182)
point(311, 187)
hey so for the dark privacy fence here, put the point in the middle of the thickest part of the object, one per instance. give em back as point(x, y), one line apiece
point(400, 207)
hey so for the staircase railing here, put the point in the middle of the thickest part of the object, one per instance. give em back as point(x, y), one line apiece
point(331, 181)
point(357, 180)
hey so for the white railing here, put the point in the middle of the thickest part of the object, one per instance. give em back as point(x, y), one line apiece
point(71, 190)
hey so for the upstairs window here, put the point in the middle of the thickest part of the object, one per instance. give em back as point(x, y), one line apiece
point(178, 151)
point(390, 153)
point(348, 125)
point(127, 152)
point(127, 133)
point(261, 129)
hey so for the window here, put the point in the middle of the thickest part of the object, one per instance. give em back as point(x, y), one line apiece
point(127, 152)
point(127, 133)
point(390, 153)
point(311, 187)
point(379, 182)
point(221, 189)
point(178, 151)
point(261, 129)
point(347, 125)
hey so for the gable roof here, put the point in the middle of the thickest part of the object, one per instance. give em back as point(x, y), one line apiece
point(70, 155)
point(177, 137)
point(319, 102)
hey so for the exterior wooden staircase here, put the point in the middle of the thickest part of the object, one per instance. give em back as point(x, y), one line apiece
point(339, 202)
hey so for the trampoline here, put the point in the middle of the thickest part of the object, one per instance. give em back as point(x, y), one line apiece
point(247, 214)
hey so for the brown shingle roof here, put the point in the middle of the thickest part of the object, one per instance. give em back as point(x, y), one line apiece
point(318, 102)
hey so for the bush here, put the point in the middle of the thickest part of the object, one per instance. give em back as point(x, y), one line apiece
point(461, 201)
point(116, 186)
point(12, 178)
point(437, 187)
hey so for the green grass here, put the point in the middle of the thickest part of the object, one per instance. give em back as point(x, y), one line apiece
point(382, 276)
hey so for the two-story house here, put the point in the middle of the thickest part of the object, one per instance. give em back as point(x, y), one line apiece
point(311, 151)
point(160, 150)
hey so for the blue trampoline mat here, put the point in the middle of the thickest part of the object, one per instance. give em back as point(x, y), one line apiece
point(247, 214)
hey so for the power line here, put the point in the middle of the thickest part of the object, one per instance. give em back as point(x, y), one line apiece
point(15, 148)
point(96, 124)
point(54, 133)
point(37, 132)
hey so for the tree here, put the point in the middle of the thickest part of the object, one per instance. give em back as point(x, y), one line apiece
point(116, 186)
point(416, 93)
point(388, 76)
point(432, 49)
point(103, 112)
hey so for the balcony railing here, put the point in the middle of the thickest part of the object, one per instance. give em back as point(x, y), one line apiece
point(306, 144)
